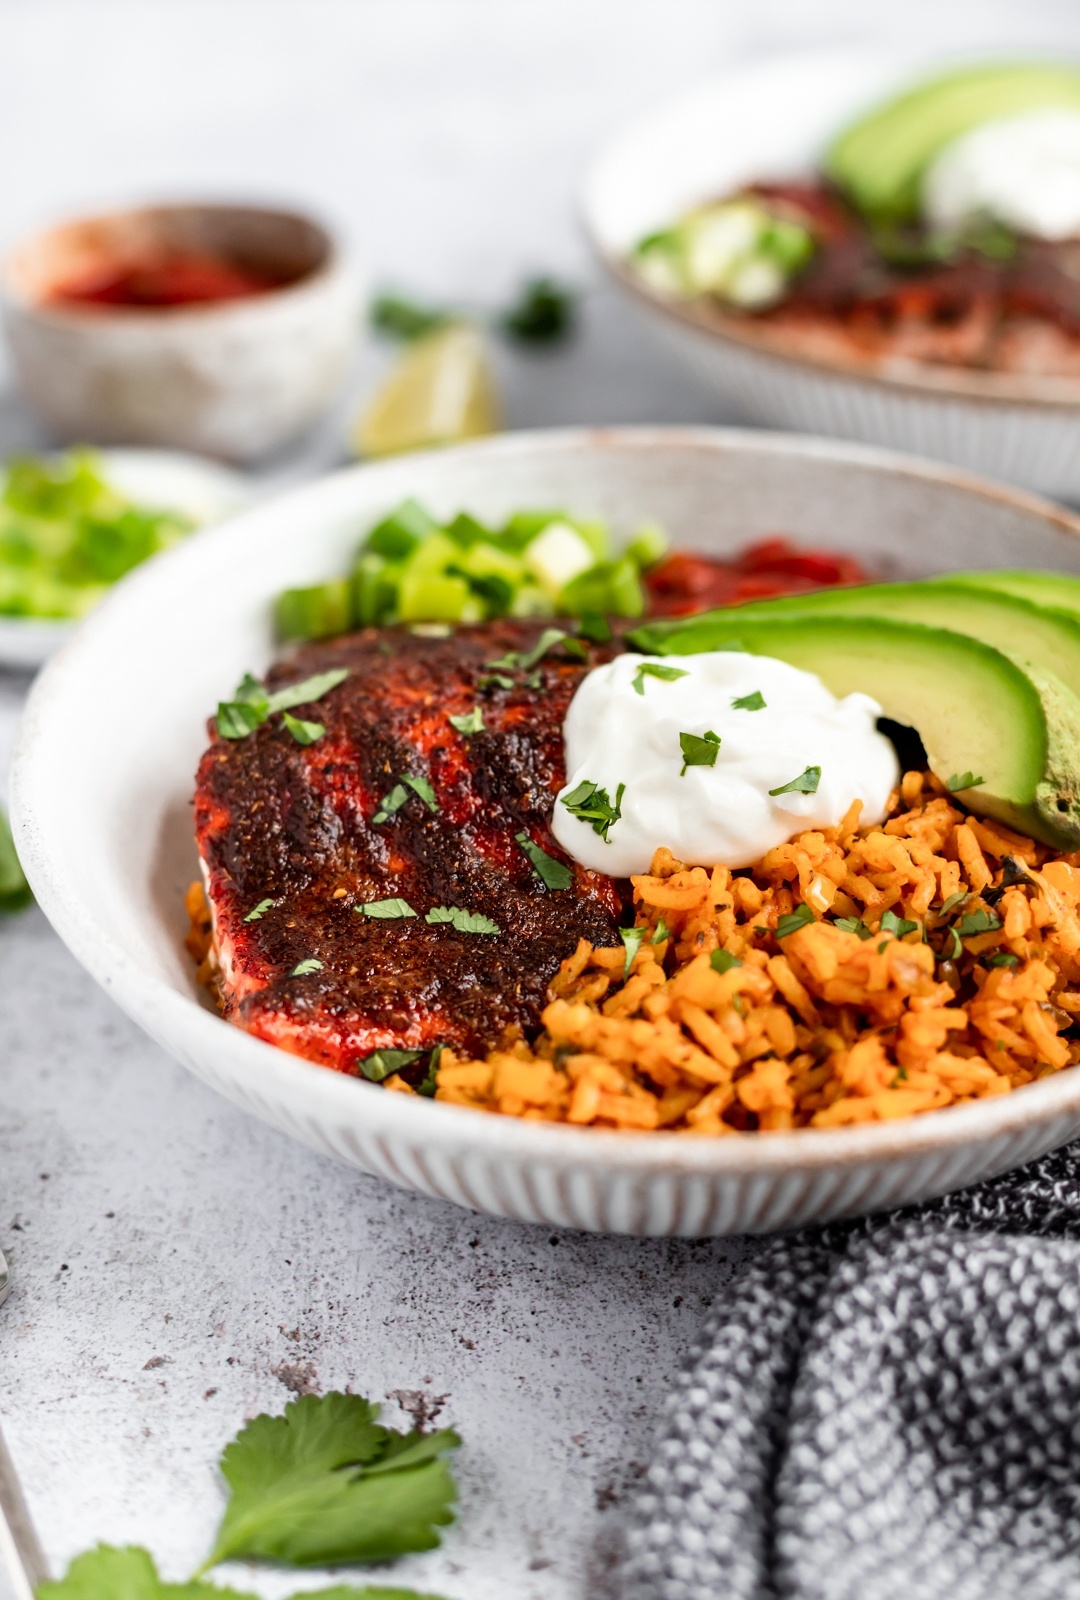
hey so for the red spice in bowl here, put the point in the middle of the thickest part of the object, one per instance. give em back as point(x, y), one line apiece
point(162, 280)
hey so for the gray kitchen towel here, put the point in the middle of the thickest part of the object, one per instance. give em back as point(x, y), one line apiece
point(887, 1410)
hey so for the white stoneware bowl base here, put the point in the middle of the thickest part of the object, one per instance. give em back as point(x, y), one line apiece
point(116, 723)
point(772, 119)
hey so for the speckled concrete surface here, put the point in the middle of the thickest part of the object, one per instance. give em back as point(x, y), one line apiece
point(179, 1267)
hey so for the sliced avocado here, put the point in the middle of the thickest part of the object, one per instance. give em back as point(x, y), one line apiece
point(975, 709)
point(1048, 639)
point(1061, 590)
point(879, 160)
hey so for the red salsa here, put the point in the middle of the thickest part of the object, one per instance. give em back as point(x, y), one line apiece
point(684, 583)
point(164, 280)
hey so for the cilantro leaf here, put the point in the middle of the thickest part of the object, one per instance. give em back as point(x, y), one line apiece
point(543, 314)
point(662, 932)
point(962, 780)
point(423, 788)
point(955, 900)
point(806, 783)
point(463, 921)
point(303, 732)
point(257, 913)
point(236, 719)
point(469, 722)
point(552, 874)
point(793, 921)
point(399, 317)
point(524, 660)
point(430, 1081)
point(891, 923)
point(952, 949)
point(110, 1572)
point(1003, 958)
point(396, 797)
point(631, 938)
point(14, 889)
point(749, 702)
point(303, 968)
point(497, 680)
point(979, 921)
point(591, 804)
point(381, 1064)
point(326, 1483)
point(386, 910)
point(310, 689)
point(854, 925)
point(594, 627)
point(653, 669)
point(699, 751)
point(723, 961)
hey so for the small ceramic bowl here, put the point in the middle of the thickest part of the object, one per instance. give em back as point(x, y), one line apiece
point(235, 378)
point(773, 119)
point(107, 843)
point(203, 491)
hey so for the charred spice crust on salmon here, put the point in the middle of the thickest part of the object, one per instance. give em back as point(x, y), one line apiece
point(293, 825)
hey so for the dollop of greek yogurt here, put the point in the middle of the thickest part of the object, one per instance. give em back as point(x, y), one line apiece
point(660, 752)
point(1024, 170)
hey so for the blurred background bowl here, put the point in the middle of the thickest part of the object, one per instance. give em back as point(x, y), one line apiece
point(772, 119)
point(236, 378)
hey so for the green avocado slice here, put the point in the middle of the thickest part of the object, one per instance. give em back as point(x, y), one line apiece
point(1048, 639)
point(976, 709)
point(880, 159)
point(1060, 590)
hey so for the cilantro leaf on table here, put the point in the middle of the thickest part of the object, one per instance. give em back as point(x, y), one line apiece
point(128, 1573)
point(326, 1483)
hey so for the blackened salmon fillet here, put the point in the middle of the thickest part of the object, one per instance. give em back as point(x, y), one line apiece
point(292, 824)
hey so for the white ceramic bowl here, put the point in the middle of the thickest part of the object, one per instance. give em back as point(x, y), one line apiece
point(236, 379)
point(104, 773)
point(773, 119)
point(203, 490)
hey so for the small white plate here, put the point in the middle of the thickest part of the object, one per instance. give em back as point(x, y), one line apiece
point(166, 479)
point(115, 726)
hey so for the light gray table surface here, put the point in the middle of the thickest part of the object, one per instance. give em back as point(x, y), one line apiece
point(179, 1267)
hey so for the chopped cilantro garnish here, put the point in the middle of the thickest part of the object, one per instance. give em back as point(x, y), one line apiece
point(524, 660)
point(1003, 958)
point(854, 925)
point(236, 719)
point(632, 939)
point(698, 750)
point(258, 912)
point(793, 921)
point(326, 1484)
point(303, 968)
point(962, 780)
point(494, 680)
point(469, 721)
point(303, 732)
point(382, 1064)
point(806, 783)
point(952, 949)
point(979, 921)
point(723, 961)
point(594, 627)
point(430, 1081)
point(386, 910)
point(463, 921)
point(304, 693)
point(955, 900)
point(749, 702)
point(592, 805)
point(543, 314)
point(653, 669)
point(400, 317)
point(552, 874)
point(882, 947)
point(396, 797)
point(251, 705)
point(891, 923)
point(661, 932)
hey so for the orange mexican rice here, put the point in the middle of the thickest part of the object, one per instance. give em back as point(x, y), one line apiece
point(856, 974)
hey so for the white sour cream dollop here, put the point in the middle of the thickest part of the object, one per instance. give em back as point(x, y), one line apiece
point(1024, 170)
point(721, 814)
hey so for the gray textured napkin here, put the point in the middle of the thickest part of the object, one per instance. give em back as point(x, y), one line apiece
point(888, 1410)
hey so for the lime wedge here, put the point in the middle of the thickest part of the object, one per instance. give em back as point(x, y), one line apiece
point(439, 391)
